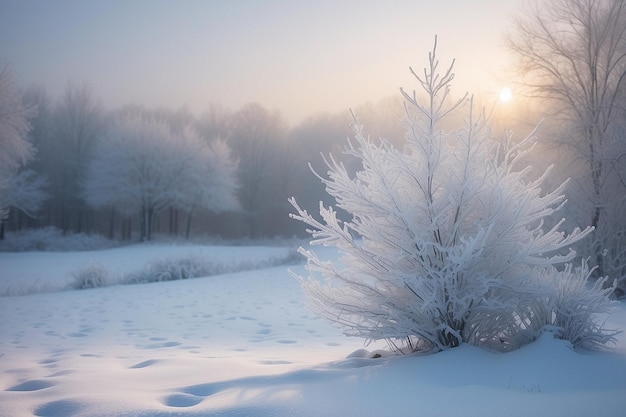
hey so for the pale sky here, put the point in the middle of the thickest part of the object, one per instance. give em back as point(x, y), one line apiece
point(296, 56)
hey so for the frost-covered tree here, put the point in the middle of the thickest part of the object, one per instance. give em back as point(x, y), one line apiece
point(19, 189)
point(213, 183)
point(142, 165)
point(15, 149)
point(572, 54)
point(445, 242)
point(24, 191)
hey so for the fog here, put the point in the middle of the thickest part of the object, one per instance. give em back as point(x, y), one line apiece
point(264, 87)
point(300, 58)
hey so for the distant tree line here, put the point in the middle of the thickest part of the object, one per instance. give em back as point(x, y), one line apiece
point(86, 158)
point(572, 59)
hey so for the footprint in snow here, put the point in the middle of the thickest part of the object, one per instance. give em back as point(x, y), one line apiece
point(32, 385)
point(66, 408)
point(144, 364)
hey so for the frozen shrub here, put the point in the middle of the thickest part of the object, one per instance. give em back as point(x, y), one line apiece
point(196, 266)
point(570, 305)
point(175, 269)
point(91, 276)
point(161, 270)
point(445, 240)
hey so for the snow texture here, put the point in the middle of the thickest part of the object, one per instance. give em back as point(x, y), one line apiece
point(244, 344)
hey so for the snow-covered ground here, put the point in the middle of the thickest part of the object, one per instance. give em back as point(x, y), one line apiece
point(244, 344)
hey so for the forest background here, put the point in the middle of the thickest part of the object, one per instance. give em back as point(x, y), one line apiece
point(577, 93)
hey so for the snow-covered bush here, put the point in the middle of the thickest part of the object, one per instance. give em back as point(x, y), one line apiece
point(176, 269)
point(445, 243)
point(195, 266)
point(570, 305)
point(91, 276)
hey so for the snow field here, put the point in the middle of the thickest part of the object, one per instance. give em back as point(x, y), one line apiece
point(245, 344)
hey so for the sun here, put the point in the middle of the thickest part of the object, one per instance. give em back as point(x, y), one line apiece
point(506, 95)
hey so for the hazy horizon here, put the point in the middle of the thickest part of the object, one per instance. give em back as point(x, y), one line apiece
point(300, 58)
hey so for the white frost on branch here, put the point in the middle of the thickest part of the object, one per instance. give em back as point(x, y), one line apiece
point(21, 189)
point(142, 165)
point(443, 238)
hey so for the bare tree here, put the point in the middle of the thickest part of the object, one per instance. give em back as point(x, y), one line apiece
point(258, 135)
point(573, 54)
point(215, 122)
point(78, 121)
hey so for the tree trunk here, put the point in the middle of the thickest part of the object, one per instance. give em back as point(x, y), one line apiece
point(112, 224)
point(188, 224)
point(150, 221)
point(127, 228)
point(4, 216)
point(173, 221)
point(144, 224)
point(599, 250)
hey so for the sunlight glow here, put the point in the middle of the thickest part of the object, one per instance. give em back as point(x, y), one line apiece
point(506, 95)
